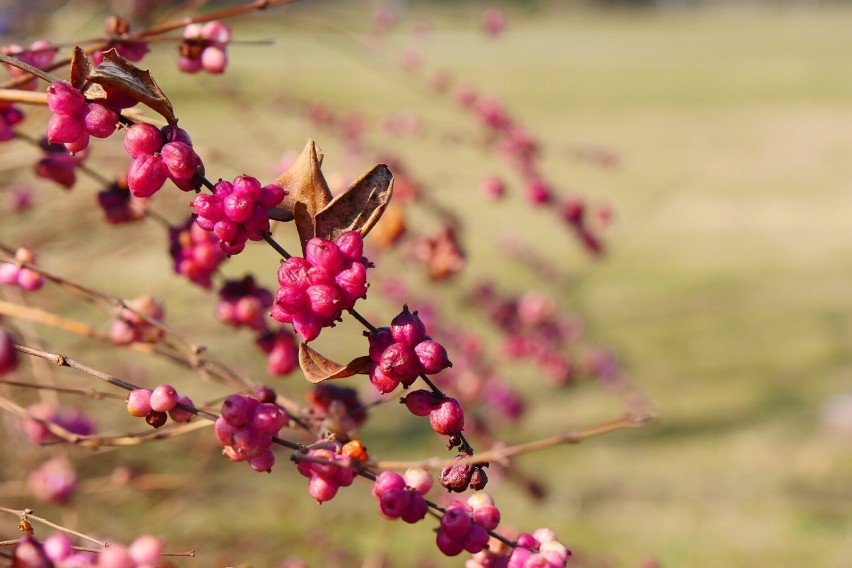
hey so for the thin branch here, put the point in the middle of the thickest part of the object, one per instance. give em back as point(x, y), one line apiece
point(28, 515)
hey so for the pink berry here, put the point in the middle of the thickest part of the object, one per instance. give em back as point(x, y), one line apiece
point(173, 133)
point(63, 128)
point(307, 325)
point(143, 138)
point(58, 547)
point(394, 502)
point(294, 271)
point(449, 545)
point(419, 479)
point(476, 539)
point(64, 99)
point(217, 31)
point(353, 283)
point(263, 463)
point(324, 300)
point(224, 431)
point(238, 410)
point(271, 195)
point(163, 398)
point(9, 274)
point(99, 120)
point(268, 419)
point(400, 362)
point(384, 383)
point(139, 402)
point(30, 280)
point(181, 160)
point(387, 480)
point(420, 402)
point(487, 516)
point(146, 550)
point(456, 522)
point(179, 414)
point(379, 340)
point(416, 510)
point(237, 207)
point(115, 556)
point(214, 59)
point(322, 489)
point(324, 253)
point(432, 356)
point(351, 245)
point(408, 328)
point(146, 176)
point(448, 417)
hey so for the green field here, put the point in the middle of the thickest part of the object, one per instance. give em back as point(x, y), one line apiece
point(724, 290)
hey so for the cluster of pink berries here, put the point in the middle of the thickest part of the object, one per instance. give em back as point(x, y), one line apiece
point(131, 327)
point(10, 115)
point(246, 427)
point(40, 55)
point(8, 354)
point(327, 470)
point(465, 526)
point(541, 549)
point(195, 253)
point(117, 205)
point(58, 550)
point(445, 413)
point(236, 212)
point(160, 154)
point(204, 47)
point(317, 288)
point(280, 346)
point(74, 120)
point(242, 303)
point(21, 276)
point(67, 417)
point(401, 497)
point(401, 352)
point(158, 405)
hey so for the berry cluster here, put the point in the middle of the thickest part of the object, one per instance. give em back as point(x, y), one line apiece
point(401, 352)
point(158, 405)
point(8, 355)
point(246, 428)
point(158, 155)
point(327, 469)
point(541, 549)
point(10, 115)
point(242, 303)
point(58, 550)
point(40, 54)
point(204, 47)
point(69, 418)
point(129, 325)
point(195, 252)
point(402, 497)
point(74, 120)
point(21, 276)
point(280, 346)
point(236, 212)
point(317, 288)
point(445, 413)
point(117, 205)
point(465, 526)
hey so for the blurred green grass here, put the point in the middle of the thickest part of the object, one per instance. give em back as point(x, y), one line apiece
point(724, 292)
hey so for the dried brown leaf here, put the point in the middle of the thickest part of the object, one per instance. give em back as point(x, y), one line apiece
point(318, 368)
point(304, 181)
point(81, 68)
point(304, 223)
point(359, 207)
point(120, 74)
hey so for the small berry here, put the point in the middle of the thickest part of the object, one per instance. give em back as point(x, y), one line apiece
point(139, 402)
point(163, 398)
point(156, 419)
point(447, 418)
point(432, 356)
point(179, 414)
point(420, 402)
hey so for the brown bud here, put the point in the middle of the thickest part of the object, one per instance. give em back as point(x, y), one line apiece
point(456, 478)
point(156, 419)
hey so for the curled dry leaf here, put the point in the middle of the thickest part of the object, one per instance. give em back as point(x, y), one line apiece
point(318, 368)
point(310, 202)
point(81, 68)
point(359, 207)
point(121, 75)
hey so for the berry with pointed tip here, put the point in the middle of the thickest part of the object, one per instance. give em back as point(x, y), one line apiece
point(407, 328)
point(62, 98)
point(420, 402)
point(432, 356)
point(146, 175)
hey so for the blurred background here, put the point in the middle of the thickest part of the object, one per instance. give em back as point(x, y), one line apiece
point(710, 144)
